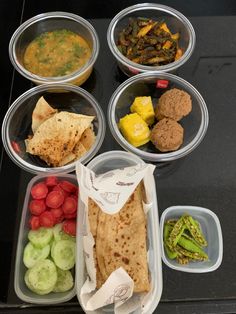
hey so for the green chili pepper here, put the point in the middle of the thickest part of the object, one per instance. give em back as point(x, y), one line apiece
point(191, 247)
point(166, 233)
point(194, 230)
point(176, 232)
point(192, 255)
point(183, 240)
point(183, 260)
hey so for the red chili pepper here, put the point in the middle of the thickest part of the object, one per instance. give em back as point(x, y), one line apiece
point(16, 147)
point(162, 83)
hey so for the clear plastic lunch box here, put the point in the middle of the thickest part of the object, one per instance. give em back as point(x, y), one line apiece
point(211, 229)
point(101, 164)
point(21, 289)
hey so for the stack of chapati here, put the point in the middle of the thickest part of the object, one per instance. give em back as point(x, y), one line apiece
point(59, 137)
point(120, 241)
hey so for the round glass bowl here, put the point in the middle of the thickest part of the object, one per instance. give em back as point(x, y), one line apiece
point(176, 22)
point(195, 123)
point(52, 21)
point(17, 122)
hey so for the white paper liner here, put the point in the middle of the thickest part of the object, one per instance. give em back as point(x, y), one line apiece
point(110, 191)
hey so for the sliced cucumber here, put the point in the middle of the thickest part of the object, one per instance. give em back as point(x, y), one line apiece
point(42, 276)
point(63, 254)
point(52, 249)
point(32, 254)
point(41, 237)
point(64, 281)
point(59, 234)
point(40, 292)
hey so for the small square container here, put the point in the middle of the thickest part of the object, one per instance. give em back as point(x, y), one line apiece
point(101, 164)
point(211, 229)
point(22, 291)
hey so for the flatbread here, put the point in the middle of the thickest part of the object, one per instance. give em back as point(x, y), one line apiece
point(41, 113)
point(121, 241)
point(56, 137)
point(79, 150)
point(88, 138)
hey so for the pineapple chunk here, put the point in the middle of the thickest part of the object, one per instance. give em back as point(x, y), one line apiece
point(143, 106)
point(134, 129)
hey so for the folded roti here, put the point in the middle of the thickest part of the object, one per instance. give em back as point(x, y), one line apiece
point(41, 113)
point(88, 138)
point(56, 137)
point(121, 241)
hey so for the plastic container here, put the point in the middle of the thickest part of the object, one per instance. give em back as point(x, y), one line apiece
point(46, 22)
point(211, 229)
point(21, 289)
point(195, 124)
point(101, 164)
point(176, 22)
point(17, 123)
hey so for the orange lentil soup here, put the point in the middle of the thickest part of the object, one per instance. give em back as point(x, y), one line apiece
point(56, 53)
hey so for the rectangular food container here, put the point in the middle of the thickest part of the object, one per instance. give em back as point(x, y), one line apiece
point(21, 289)
point(211, 229)
point(101, 164)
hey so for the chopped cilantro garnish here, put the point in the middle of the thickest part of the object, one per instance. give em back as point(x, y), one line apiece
point(78, 50)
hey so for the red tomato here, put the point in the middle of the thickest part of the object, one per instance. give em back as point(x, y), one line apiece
point(34, 222)
point(46, 219)
point(58, 188)
point(68, 186)
point(36, 207)
point(54, 199)
point(57, 214)
point(70, 216)
point(69, 227)
point(39, 191)
point(51, 181)
point(69, 206)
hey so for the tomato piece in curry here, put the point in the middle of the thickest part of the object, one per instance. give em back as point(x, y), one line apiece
point(56, 53)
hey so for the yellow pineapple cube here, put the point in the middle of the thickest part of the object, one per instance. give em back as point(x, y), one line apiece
point(143, 106)
point(134, 129)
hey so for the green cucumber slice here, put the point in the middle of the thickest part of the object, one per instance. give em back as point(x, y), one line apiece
point(40, 292)
point(64, 281)
point(42, 276)
point(40, 237)
point(32, 254)
point(59, 234)
point(63, 254)
point(52, 249)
